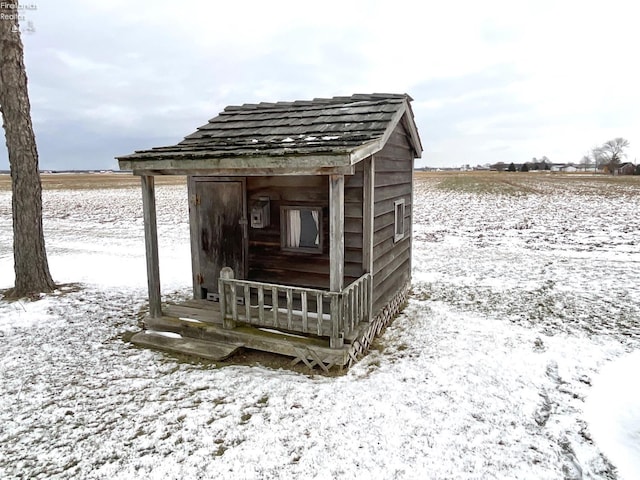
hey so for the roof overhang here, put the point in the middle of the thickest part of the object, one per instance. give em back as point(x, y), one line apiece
point(151, 164)
point(404, 115)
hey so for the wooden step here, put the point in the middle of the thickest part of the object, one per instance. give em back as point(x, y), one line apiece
point(169, 342)
point(265, 340)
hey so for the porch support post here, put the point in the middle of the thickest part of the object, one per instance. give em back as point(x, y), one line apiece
point(368, 216)
point(336, 256)
point(151, 244)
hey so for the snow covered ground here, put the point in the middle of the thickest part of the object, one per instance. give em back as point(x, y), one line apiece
point(519, 301)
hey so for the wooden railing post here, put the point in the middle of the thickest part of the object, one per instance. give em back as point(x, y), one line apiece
point(227, 298)
point(247, 303)
point(319, 312)
point(336, 340)
point(274, 305)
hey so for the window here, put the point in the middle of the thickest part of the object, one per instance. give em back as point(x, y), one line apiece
point(398, 233)
point(301, 229)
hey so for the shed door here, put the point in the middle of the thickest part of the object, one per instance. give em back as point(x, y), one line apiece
point(221, 230)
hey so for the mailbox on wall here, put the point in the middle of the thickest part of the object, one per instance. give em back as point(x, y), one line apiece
point(261, 213)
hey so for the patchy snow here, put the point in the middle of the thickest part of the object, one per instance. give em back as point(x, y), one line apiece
point(287, 140)
point(330, 137)
point(163, 334)
point(520, 304)
point(613, 411)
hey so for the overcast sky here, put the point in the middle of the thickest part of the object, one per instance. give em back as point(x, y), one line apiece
point(491, 81)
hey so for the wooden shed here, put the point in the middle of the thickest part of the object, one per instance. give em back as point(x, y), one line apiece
point(300, 217)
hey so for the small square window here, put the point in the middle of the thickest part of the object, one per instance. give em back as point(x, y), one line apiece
point(398, 233)
point(301, 229)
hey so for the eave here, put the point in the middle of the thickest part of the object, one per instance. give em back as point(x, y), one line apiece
point(161, 164)
point(403, 115)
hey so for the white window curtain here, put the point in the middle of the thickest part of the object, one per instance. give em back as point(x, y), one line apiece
point(294, 228)
point(316, 218)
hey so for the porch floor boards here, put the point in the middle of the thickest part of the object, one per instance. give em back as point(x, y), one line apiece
point(201, 310)
point(199, 323)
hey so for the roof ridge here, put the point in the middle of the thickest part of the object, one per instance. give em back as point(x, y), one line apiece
point(320, 101)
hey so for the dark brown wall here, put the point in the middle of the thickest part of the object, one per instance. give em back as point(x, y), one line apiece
point(267, 263)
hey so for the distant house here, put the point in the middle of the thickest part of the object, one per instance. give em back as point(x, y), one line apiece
point(300, 221)
point(586, 167)
point(626, 168)
point(564, 167)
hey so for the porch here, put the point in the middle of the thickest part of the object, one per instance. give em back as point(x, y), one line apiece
point(315, 327)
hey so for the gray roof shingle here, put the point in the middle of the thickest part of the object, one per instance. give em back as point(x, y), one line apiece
point(323, 126)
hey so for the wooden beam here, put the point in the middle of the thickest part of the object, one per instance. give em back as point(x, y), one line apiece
point(151, 245)
point(414, 138)
point(368, 224)
point(367, 214)
point(411, 210)
point(186, 168)
point(336, 256)
point(212, 161)
point(336, 232)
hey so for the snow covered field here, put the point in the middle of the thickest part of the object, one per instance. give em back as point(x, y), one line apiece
point(525, 288)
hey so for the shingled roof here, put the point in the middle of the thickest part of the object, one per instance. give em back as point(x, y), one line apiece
point(324, 132)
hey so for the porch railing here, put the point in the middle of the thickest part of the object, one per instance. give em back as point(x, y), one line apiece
point(295, 309)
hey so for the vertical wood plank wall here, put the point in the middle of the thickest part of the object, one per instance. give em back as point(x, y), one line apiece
point(393, 181)
point(267, 262)
point(353, 225)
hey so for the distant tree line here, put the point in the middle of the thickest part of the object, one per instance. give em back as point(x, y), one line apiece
point(606, 157)
point(534, 165)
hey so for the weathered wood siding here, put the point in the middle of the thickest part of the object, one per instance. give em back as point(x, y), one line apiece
point(391, 260)
point(216, 211)
point(353, 225)
point(393, 181)
point(268, 263)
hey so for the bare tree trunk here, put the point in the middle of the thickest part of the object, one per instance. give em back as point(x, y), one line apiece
point(30, 258)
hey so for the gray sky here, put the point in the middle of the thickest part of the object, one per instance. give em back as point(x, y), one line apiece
point(491, 81)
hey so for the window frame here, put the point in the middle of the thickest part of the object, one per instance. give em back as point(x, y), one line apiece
point(284, 229)
point(398, 220)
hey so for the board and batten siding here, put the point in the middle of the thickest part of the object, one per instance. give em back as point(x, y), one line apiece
point(393, 181)
point(268, 263)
